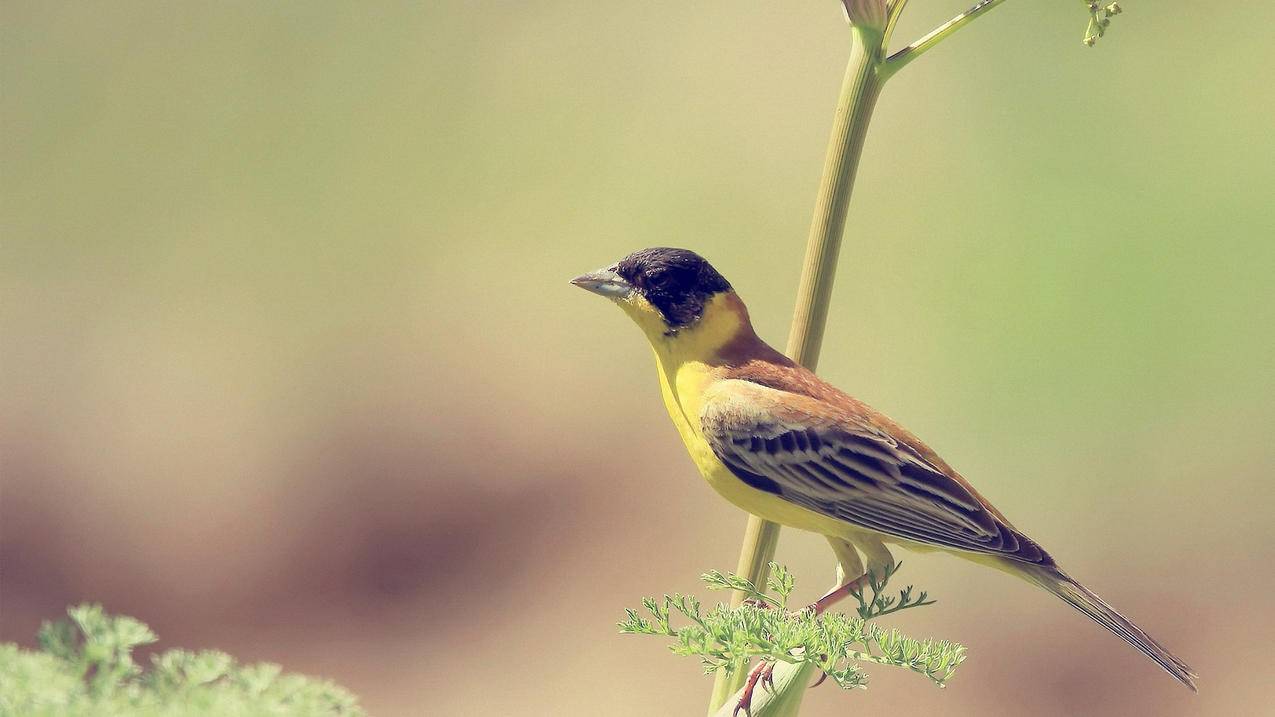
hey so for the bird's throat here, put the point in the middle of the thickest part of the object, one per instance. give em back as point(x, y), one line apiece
point(688, 359)
point(723, 323)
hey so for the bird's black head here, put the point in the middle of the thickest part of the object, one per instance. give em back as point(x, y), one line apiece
point(677, 282)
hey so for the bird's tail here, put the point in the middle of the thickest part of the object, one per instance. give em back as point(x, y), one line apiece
point(1081, 598)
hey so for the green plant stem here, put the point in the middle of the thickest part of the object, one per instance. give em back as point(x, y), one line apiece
point(761, 538)
point(901, 58)
point(859, 91)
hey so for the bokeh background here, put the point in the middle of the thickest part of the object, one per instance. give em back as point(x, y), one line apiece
point(291, 366)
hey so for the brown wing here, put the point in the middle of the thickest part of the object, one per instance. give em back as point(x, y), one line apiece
point(825, 458)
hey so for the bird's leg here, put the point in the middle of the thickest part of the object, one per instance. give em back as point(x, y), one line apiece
point(848, 564)
point(764, 673)
point(880, 562)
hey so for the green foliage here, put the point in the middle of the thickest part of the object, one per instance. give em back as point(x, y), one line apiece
point(880, 603)
point(764, 628)
point(85, 667)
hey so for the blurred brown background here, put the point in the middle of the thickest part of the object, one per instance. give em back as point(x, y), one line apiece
point(291, 368)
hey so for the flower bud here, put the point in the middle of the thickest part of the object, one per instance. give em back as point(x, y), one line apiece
point(868, 14)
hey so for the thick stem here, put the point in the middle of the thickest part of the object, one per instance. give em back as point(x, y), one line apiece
point(859, 90)
point(785, 701)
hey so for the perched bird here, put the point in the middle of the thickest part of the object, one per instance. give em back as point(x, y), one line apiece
point(774, 439)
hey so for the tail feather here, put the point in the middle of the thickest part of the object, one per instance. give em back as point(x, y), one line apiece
point(1081, 598)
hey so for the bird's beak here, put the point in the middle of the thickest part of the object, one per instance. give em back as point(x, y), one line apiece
point(604, 282)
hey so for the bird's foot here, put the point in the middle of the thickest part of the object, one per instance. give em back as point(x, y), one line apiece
point(822, 676)
point(763, 673)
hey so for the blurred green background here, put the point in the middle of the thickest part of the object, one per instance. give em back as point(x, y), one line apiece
point(291, 367)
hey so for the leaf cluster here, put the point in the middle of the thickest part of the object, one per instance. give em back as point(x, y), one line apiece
point(763, 627)
point(85, 667)
point(1099, 19)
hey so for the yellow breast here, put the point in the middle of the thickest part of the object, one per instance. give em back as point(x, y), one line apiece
point(683, 388)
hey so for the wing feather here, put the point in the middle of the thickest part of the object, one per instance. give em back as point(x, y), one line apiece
point(826, 459)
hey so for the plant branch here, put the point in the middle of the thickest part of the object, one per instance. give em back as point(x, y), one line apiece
point(901, 58)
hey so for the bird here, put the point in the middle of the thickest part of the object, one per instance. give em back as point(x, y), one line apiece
point(776, 440)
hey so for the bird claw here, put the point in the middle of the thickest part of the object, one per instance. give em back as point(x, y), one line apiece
point(765, 674)
point(822, 676)
point(768, 678)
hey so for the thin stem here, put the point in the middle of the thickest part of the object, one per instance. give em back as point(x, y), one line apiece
point(896, 11)
point(859, 90)
point(918, 48)
point(749, 591)
point(901, 606)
